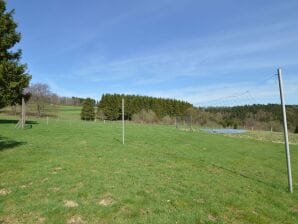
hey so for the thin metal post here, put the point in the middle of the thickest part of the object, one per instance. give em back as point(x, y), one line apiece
point(191, 122)
point(287, 148)
point(23, 113)
point(122, 120)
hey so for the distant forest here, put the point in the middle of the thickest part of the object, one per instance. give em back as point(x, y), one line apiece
point(145, 109)
point(110, 106)
point(257, 116)
point(155, 110)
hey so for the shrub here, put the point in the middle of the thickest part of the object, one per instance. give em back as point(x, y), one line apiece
point(167, 120)
point(296, 130)
point(145, 116)
point(88, 112)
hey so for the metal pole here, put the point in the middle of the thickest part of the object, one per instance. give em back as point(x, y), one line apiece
point(122, 120)
point(191, 122)
point(285, 130)
point(23, 113)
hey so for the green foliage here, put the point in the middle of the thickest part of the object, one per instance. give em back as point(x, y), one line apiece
point(88, 112)
point(13, 76)
point(296, 130)
point(258, 116)
point(110, 104)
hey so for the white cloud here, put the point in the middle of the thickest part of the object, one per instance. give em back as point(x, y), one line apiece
point(232, 52)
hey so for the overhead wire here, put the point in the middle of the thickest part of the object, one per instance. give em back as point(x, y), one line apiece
point(231, 98)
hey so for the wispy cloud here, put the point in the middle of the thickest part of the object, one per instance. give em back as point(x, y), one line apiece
point(226, 53)
point(90, 56)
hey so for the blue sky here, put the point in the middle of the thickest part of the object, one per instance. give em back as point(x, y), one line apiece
point(206, 52)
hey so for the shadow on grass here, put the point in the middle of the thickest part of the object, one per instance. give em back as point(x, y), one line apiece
point(7, 121)
point(6, 143)
point(237, 173)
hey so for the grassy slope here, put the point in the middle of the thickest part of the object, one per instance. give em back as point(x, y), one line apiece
point(69, 112)
point(161, 175)
point(57, 111)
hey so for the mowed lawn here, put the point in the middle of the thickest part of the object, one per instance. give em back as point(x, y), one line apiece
point(79, 172)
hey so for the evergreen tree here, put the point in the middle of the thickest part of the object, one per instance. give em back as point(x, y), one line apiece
point(13, 76)
point(110, 105)
point(88, 112)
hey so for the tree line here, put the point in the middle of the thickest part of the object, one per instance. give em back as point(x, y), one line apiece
point(109, 106)
point(257, 116)
point(147, 109)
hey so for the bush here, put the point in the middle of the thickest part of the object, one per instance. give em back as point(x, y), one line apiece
point(145, 116)
point(167, 120)
point(88, 112)
point(296, 130)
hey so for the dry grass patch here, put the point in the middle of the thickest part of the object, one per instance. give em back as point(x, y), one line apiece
point(70, 204)
point(44, 180)
point(40, 220)
point(54, 189)
point(4, 191)
point(212, 218)
point(145, 211)
point(75, 220)
point(107, 200)
point(8, 220)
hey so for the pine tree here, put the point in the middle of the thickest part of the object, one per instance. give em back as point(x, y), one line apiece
point(88, 112)
point(13, 76)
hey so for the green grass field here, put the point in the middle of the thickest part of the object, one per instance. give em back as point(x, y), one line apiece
point(79, 172)
point(69, 112)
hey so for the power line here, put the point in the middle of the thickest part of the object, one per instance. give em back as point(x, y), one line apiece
point(238, 95)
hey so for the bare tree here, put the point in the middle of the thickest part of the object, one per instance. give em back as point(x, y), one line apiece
point(55, 99)
point(40, 95)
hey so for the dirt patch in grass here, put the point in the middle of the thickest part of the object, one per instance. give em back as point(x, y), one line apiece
point(106, 200)
point(44, 180)
point(40, 220)
point(54, 189)
point(75, 220)
point(295, 210)
point(145, 211)
point(70, 204)
point(4, 192)
point(8, 220)
point(212, 218)
point(25, 186)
